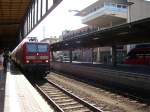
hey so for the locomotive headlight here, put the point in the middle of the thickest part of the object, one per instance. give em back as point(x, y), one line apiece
point(46, 61)
point(27, 61)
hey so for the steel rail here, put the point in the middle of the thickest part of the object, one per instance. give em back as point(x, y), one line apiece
point(92, 107)
point(48, 99)
point(116, 90)
point(76, 98)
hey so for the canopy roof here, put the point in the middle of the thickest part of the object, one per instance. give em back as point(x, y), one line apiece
point(129, 33)
point(11, 16)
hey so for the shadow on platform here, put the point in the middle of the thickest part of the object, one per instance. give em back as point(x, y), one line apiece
point(14, 70)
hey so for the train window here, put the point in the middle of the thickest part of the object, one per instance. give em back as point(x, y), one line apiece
point(31, 48)
point(42, 48)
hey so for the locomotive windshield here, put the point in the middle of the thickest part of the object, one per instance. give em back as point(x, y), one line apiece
point(41, 48)
point(31, 48)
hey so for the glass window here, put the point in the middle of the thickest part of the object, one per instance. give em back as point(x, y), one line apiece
point(119, 6)
point(42, 48)
point(31, 48)
point(124, 6)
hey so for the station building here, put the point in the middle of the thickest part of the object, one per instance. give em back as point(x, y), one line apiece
point(51, 40)
point(100, 15)
point(137, 10)
point(105, 14)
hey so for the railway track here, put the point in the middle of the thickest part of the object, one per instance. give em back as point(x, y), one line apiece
point(63, 100)
point(136, 95)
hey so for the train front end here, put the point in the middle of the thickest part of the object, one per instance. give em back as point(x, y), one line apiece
point(36, 58)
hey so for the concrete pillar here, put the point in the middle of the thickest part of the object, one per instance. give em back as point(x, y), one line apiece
point(98, 54)
point(92, 50)
point(70, 55)
point(52, 53)
point(114, 55)
point(82, 54)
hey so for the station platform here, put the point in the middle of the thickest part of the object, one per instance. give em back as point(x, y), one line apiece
point(18, 95)
point(138, 69)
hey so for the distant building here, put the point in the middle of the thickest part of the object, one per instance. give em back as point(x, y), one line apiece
point(68, 34)
point(45, 40)
point(105, 14)
point(137, 9)
point(51, 40)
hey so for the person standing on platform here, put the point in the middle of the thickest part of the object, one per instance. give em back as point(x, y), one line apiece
point(5, 58)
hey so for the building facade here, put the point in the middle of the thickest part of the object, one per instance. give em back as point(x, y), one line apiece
point(105, 14)
point(137, 10)
point(51, 40)
point(101, 15)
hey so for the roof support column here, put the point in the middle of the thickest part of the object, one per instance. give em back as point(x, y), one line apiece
point(92, 51)
point(26, 25)
point(114, 55)
point(33, 13)
point(46, 5)
point(30, 20)
point(41, 8)
point(52, 54)
point(37, 11)
point(70, 55)
point(31, 16)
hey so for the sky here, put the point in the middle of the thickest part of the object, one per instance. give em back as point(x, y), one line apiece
point(61, 19)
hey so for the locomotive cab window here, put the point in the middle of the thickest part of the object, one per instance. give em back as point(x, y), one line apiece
point(42, 48)
point(31, 48)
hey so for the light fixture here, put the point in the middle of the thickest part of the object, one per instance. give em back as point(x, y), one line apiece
point(96, 38)
point(27, 61)
point(46, 61)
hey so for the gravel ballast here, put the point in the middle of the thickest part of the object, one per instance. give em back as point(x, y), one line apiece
point(108, 101)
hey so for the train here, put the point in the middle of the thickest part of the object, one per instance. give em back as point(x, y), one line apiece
point(140, 55)
point(32, 57)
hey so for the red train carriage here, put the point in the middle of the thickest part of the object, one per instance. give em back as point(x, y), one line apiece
point(32, 57)
point(140, 55)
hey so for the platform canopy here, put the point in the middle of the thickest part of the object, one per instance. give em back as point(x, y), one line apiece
point(129, 33)
point(12, 13)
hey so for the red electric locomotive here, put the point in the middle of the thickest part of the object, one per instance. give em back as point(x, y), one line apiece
point(32, 57)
